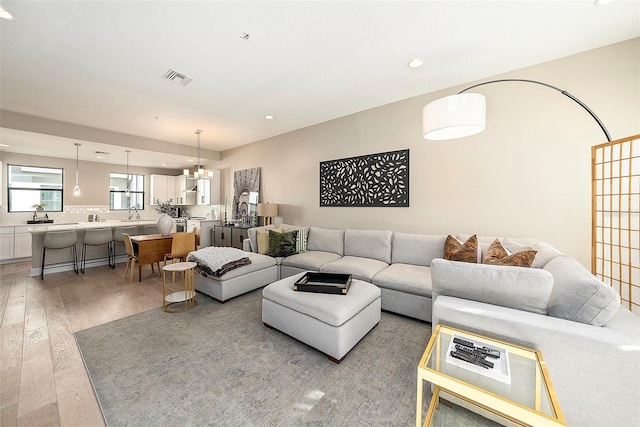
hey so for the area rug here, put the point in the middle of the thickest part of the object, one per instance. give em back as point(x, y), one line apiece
point(217, 364)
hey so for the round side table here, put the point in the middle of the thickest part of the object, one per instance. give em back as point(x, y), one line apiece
point(187, 296)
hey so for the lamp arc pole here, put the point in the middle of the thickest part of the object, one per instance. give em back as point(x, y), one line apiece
point(564, 92)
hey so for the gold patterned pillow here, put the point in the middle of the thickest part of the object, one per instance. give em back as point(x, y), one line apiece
point(498, 255)
point(468, 251)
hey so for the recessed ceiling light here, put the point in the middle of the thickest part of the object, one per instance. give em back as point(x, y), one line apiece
point(415, 63)
point(164, 164)
point(603, 2)
point(189, 160)
point(5, 15)
point(5, 145)
point(269, 117)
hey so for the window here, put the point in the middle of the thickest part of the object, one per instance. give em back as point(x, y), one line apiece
point(118, 199)
point(32, 185)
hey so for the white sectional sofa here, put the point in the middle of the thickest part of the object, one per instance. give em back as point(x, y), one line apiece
point(590, 342)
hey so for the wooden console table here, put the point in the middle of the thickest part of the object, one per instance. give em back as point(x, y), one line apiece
point(150, 249)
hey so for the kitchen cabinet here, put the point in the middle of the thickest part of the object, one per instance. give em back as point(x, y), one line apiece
point(163, 187)
point(191, 224)
point(204, 192)
point(229, 236)
point(6, 242)
point(22, 243)
point(209, 190)
point(184, 195)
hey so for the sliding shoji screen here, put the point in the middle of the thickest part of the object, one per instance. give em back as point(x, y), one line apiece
point(615, 255)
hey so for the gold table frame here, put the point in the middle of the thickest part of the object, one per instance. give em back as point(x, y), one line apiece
point(487, 401)
point(188, 295)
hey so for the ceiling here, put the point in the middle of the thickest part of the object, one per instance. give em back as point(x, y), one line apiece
point(100, 64)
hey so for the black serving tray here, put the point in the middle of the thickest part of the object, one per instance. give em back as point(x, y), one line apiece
point(326, 283)
point(40, 221)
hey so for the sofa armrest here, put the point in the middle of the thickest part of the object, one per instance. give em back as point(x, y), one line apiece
point(593, 369)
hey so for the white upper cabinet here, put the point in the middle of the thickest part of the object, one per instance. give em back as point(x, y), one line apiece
point(209, 190)
point(183, 187)
point(163, 187)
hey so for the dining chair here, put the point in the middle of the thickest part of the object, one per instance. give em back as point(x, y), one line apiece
point(196, 231)
point(131, 230)
point(181, 244)
point(131, 259)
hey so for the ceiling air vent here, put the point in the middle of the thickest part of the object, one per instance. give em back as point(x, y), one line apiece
point(177, 77)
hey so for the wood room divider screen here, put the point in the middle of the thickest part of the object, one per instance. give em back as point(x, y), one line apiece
point(615, 249)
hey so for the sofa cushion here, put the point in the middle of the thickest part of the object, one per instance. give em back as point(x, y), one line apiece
point(262, 237)
point(455, 250)
point(498, 255)
point(407, 278)
point(326, 240)
point(309, 260)
point(372, 244)
point(416, 249)
point(578, 295)
point(301, 239)
point(359, 268)
point(282, 243)
point(253, 237)
point(527, 289)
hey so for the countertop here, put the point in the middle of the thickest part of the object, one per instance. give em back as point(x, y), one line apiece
point(43, 228)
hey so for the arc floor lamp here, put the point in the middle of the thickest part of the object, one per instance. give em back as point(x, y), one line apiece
point(463, 114)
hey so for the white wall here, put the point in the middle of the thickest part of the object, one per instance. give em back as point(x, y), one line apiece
point(527, 175)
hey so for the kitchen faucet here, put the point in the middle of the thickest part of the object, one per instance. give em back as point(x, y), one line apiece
point(137, 213)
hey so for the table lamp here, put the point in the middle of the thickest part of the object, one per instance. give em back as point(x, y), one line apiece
point(267, 210)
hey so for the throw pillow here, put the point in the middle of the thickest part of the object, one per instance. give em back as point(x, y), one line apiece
point(468, 251)
point(262, 237)
point(498, 255)
point(301, 240)
point(283, 243)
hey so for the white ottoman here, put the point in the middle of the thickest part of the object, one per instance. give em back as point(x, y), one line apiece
point(333, 324)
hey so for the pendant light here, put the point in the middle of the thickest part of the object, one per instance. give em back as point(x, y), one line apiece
point(198, 170)
point(127, 192)
point(76, 189)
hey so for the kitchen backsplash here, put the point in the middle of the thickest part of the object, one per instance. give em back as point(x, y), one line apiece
point(80, 213)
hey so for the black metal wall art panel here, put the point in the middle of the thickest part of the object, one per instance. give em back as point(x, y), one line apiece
point(374, 180)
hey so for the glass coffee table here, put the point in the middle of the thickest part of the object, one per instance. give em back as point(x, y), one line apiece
point(515, 390)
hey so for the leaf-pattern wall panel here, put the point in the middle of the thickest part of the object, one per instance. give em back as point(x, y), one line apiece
point(374, 180)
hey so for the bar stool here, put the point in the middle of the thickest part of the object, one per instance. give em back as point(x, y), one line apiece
point(131, 230)
point(97, 237)
point(150, 229)
point(60, 240)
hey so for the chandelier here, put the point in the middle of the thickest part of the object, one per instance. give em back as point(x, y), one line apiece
point(198, 171)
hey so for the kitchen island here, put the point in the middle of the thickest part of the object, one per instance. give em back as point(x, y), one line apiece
point(62, 260)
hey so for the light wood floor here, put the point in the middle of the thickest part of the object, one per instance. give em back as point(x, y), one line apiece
point(42, 377)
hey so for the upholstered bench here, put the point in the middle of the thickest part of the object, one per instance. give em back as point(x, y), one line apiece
point(331, 323)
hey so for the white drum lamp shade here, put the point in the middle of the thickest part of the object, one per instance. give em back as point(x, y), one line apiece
point(267, 210)
point(454, 116)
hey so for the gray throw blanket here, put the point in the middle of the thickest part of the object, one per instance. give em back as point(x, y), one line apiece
point(215, 261)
